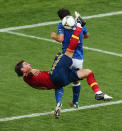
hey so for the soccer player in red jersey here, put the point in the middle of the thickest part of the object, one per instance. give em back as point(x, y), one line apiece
point(60, 74)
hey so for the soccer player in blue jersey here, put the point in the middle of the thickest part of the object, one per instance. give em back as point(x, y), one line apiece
point(61, 73)
point(64, 36)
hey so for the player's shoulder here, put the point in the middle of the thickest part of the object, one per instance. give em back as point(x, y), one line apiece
point(60, 25)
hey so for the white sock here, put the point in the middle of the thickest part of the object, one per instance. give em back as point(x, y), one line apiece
point(99, 92)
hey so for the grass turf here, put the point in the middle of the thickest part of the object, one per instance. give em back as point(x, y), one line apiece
point(17, 98)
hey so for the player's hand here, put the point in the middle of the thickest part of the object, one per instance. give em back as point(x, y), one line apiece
point(35, 72)
point(53, 35)
point(77, 14)
point(79, 19)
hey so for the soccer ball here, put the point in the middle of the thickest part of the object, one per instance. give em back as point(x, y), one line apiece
point(68, 22)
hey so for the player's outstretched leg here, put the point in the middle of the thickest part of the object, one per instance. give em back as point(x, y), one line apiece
point(57, 111)
point(95, 87)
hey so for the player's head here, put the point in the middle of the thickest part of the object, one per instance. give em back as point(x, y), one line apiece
point(22, 67)
point(63, 12)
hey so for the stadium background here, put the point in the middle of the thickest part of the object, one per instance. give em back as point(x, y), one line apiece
point(17, 98)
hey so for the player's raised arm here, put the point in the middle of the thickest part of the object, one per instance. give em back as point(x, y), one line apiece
point(57, 37)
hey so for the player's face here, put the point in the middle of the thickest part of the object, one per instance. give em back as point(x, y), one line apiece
point(26, 66)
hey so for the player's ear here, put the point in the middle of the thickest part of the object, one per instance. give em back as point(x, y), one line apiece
point(22, 69)
point(25, 70)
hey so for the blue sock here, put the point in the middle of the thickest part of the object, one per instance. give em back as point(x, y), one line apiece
point(76, 92)
point(59, 94)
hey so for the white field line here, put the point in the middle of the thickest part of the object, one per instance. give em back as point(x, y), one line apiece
point(31, 36)
point(64, 110)
point(103, 51)
point(29, 26)
point(55, 22)
point(93, 49)
point(50, 40)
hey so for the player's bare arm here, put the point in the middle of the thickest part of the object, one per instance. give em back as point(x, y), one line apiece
point(86, 35)
point(59, 37)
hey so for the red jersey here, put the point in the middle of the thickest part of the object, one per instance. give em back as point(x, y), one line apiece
point(42, 81)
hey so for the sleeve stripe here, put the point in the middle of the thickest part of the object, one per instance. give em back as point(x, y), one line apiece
point(95, 83)
point(74, 36)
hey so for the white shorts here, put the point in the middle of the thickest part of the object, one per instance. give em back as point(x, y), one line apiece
point(77, 64)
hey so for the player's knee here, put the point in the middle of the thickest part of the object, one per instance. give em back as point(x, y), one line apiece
point(88, 71)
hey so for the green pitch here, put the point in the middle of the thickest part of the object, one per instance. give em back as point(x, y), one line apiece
point(17, 98)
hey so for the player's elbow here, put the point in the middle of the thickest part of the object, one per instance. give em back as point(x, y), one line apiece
point(60, 40)
point(86, 35)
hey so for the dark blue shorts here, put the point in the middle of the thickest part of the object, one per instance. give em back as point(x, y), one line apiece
point(60, 73)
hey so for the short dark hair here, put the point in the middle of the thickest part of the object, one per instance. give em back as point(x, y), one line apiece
point(18, 68)
point(63, 12)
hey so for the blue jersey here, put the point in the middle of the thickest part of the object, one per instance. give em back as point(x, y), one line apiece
point(78, 54)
